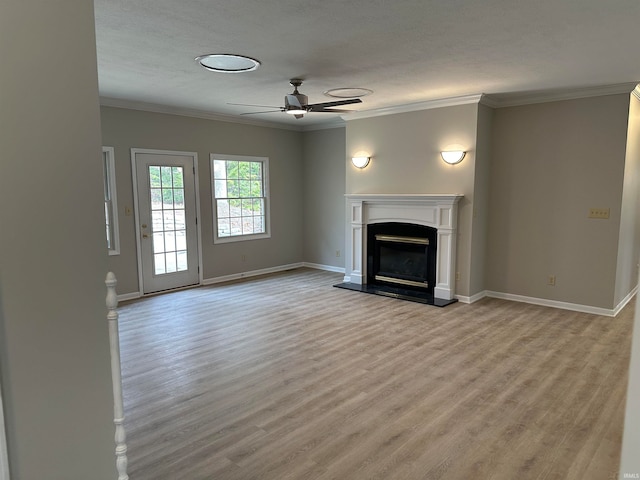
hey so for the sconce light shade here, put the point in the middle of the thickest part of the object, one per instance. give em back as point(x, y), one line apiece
point(453, 156)
point(360, 162)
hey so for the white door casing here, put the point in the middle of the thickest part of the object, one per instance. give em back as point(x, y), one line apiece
point(166, 206)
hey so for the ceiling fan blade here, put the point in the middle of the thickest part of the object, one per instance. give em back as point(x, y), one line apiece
point(266, 111)
point(298, 116)
point(252, 105)
point(332, 110)
point(319, 106)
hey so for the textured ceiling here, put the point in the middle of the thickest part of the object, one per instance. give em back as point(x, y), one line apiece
point(406, 51)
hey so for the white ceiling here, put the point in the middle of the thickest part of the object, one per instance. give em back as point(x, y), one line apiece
point(406, 51)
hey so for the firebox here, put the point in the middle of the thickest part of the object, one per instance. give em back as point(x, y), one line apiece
point(402, 255)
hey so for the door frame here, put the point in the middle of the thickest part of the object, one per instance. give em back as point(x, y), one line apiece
point(194, 158)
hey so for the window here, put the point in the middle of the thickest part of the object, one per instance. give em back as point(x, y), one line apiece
point(240, 197)
point(110, 203)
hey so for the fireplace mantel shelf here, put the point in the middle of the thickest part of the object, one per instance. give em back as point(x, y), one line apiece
point(437, 210)
point(394, 197)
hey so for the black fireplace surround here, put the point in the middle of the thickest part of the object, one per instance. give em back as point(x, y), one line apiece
point(401, 262)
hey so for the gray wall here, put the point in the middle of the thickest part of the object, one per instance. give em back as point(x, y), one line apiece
point(629, 241)
point(124, 129)
point(551, 163)
point(406, 159)
point(54, 343)
point(324, 183)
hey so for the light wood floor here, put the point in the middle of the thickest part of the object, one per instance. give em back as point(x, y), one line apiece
point(285, 377)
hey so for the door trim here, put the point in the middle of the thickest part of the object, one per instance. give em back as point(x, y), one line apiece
point(134, 178)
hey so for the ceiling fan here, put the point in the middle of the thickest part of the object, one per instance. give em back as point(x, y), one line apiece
point(296, 104)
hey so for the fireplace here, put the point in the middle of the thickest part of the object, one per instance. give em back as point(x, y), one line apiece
point(375, 213)
point(402, 254)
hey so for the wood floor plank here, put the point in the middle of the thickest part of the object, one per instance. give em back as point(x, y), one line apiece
point(285, 377)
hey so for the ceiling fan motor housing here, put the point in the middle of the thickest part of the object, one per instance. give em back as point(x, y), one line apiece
point(296, 100)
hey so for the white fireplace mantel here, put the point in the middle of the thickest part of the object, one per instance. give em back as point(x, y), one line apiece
point(439, 211)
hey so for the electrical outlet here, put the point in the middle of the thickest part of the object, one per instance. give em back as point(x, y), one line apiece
point(457, 276)
point(599, 213)
point(243, 258)
point(551, 280)
point(127, 211)
point(337, 253)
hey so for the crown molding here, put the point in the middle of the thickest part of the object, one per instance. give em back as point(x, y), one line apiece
point(504, 100)
point(530, 98)
point(413, 107)
point(339, 123)
point(489, 100)
point(188, 112)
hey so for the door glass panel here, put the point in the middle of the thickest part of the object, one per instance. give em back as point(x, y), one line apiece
point(180, 220)
point(182, 260)
point(171, 261)
point(154, 177)
point(169, 222)
point(156, 221)
point(158, 262)
point(158, 242)
point(156, 199)
point(168, 219)
point(177, 177)
point(181, 242)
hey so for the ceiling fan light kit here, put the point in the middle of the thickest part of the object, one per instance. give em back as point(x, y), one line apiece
point(228, 63)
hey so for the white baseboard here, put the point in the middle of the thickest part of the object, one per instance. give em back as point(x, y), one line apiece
point(472, 298)
point(625, 300)
point(327, 268)
point(253, 273)
point(575, 307)
point(461, 298)
point(129, 296)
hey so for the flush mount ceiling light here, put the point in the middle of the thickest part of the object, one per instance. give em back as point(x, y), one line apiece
point(453, 156)
point(227, 63)
point(348, 92)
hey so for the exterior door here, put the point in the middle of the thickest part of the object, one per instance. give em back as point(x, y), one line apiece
point(166, 219)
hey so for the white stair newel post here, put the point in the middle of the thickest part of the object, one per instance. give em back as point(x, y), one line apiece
point(118, 408)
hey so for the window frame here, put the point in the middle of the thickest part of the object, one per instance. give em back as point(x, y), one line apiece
point(267, 207)
point(110, 195)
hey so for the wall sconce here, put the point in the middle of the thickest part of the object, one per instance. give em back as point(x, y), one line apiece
point(453, 156)
point(360, 162)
